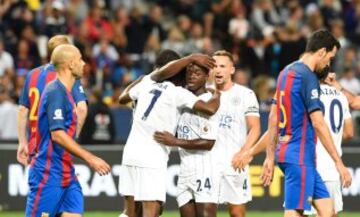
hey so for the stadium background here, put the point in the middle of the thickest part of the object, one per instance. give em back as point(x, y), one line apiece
point(119, 40)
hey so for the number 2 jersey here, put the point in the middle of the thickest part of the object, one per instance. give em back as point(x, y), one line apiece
point(297, 95)
point(158, 108)
point(336, 111)
point(34, 86)
point(194, 125)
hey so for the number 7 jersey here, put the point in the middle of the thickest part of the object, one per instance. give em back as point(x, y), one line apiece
point(158, 108)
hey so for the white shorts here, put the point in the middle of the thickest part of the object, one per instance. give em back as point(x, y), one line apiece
point(334, 188)
point(144, 184)
point(202, 190)
point(235, 188)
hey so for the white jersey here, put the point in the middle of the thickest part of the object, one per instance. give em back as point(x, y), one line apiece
point(157, 109)
point(236, 103)
point(191, 126)
point(336, 111)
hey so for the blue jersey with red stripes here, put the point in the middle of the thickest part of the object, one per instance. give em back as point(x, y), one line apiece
point(297, 95)
point(53, 164)
point(35, 83)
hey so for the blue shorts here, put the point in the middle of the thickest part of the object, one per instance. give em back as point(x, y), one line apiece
point(48, 200)
point(303, 184)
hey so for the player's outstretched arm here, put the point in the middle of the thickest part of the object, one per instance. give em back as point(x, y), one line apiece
point(96, 163)
point(125, 98)
point(81, 112)
point(174, 67)
point(210, 107)
point(323, 133)
point(22, 151)
point(168, 139)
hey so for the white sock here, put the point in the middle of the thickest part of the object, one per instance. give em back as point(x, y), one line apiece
point(123, 215)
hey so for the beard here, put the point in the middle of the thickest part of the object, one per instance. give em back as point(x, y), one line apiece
point(322, 73)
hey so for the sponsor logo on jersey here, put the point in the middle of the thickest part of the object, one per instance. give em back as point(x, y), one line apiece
point(58, 115)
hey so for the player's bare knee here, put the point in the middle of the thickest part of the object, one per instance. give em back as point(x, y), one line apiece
point(326, 213)
point(151, 208)
point(293, 213)
point(67, 214)
point(237, 212)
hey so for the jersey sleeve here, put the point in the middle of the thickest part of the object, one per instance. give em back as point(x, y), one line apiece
point(251, 105)
point(78, 92)
point(134, 92)
point(24, 96)
point(184, 98)
point(310, 92)
point(56, 109)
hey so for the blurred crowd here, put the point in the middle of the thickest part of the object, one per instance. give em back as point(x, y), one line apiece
point(119, 39)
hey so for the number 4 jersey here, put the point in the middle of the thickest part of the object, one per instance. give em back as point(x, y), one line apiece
point(336, 111)
point(158, 108)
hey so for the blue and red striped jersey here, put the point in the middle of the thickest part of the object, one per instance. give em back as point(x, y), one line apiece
point(56, 112)
point(297, 95)
point(35, 83)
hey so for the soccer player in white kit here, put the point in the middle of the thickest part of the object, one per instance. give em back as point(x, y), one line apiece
point(144, 163)
point(337, 117)
point(239, 127)
point(196, 134)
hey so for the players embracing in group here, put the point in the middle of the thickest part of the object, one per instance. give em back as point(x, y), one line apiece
point(215, 126)
point(216, 149)
point(207, 140)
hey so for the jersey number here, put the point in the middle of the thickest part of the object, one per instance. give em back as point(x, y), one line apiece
point(335, 127)
point(282, 122)
point(35, 94)
point(206, 184)
point(157, 94)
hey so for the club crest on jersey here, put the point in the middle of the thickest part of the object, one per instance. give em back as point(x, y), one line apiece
point(236, 101)
point(45, 214)
point(58, 115)
point(206, 128)
point(310, 200)
point(314, 94)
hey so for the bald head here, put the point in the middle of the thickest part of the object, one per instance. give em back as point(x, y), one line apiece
point(56, 41)
point(63, 55)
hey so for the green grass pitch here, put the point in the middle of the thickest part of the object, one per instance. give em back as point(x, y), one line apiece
point(176, 214)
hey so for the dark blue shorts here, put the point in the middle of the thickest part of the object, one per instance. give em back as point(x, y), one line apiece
point(302, 185)
point(46, 200)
